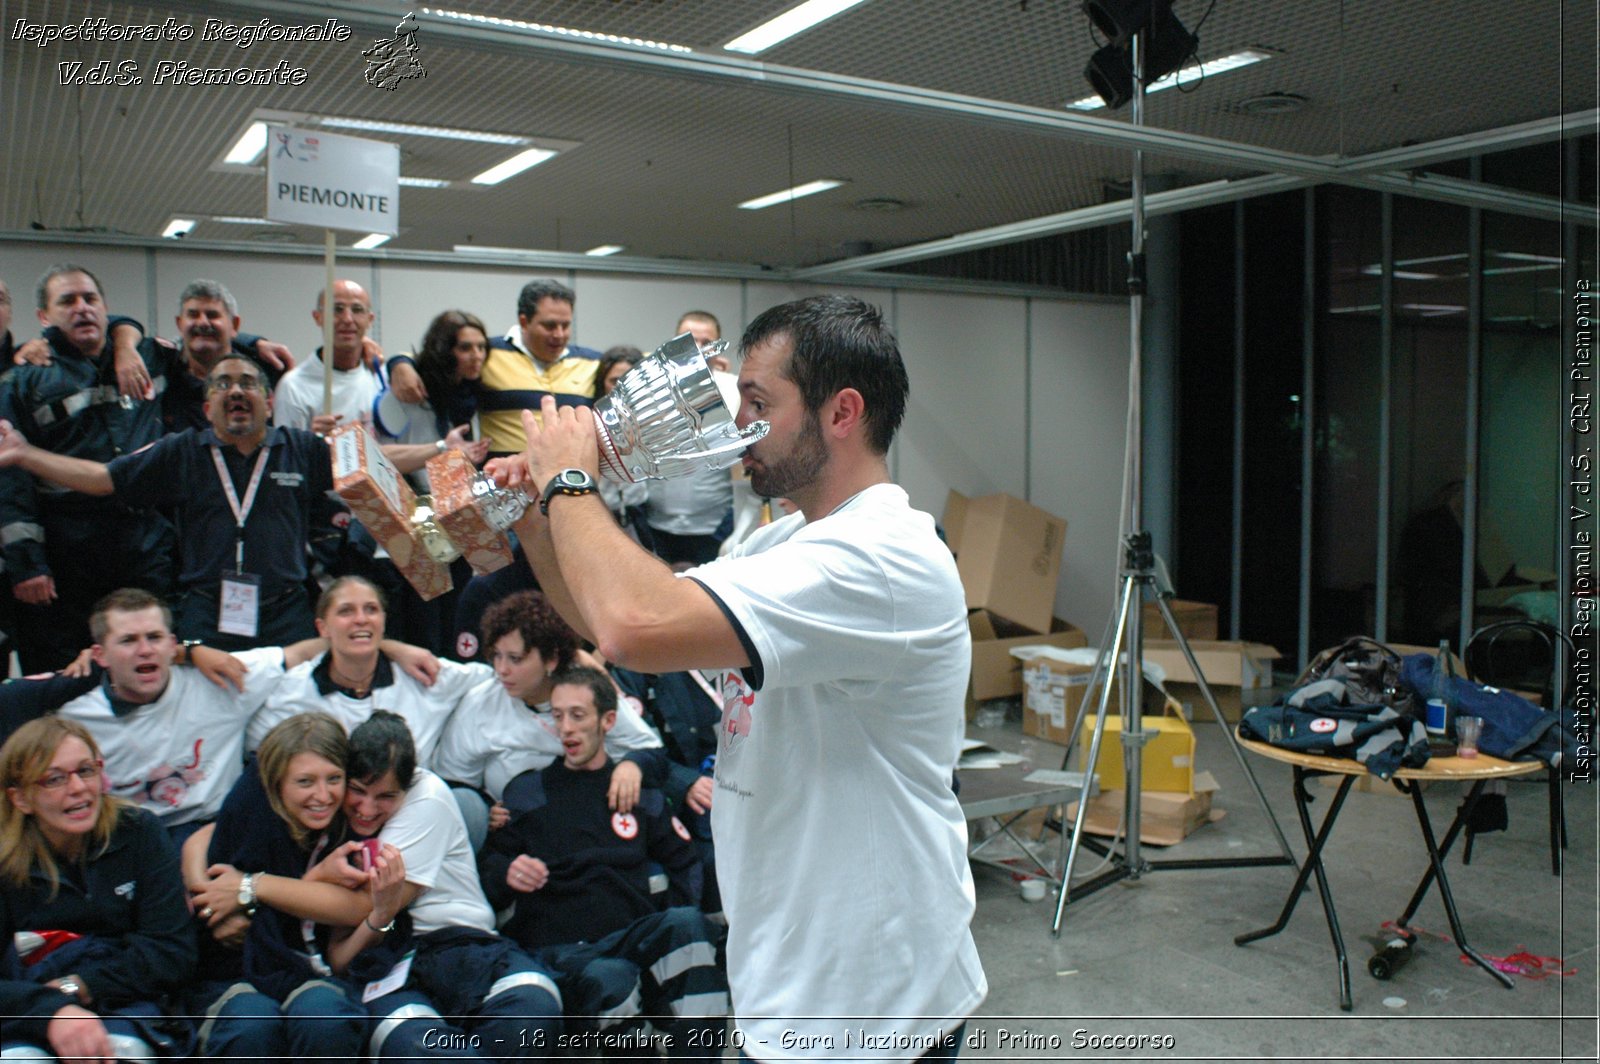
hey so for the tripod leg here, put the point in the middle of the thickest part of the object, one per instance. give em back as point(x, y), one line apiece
point(1227, 729)
point(1128, 590)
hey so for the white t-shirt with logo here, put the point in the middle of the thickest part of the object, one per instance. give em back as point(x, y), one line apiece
point(841, 846)
point(177, 756)
point(494, 737)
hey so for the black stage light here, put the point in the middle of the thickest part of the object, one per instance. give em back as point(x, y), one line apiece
point(1110, 70)
point(1117, 20)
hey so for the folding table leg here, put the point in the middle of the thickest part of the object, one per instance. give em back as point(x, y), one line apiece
point(1436, 860)
point(1315, 838)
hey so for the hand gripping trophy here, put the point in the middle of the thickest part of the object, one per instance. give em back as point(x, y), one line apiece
point(665, 419)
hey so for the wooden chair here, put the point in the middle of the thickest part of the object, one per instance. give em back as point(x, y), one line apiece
point(1521, 655)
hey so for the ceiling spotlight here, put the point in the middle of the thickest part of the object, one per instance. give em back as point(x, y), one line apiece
point(1119, 20)
point(178, 227)
point(1166, 45)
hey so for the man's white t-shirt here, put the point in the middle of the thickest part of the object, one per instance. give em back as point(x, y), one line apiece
point(177, 756)
point(841, 846)
point(428, 831)
point(494, 737)
point(298, 397)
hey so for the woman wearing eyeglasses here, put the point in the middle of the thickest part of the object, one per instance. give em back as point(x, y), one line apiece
point(91, 894)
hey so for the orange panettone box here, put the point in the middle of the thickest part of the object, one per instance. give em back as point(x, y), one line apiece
point(460, 513)
point(381, 500)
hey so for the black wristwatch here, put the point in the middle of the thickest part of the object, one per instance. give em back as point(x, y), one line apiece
point(566, 482)
point(187, 646)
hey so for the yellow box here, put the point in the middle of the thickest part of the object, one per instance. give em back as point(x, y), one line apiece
point(1168, 756)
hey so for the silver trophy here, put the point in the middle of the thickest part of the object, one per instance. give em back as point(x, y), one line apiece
point(667, 418)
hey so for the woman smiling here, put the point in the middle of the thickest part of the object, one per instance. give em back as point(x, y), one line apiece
point(89, 889)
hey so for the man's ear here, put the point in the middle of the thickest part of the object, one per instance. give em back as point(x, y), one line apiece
point(608, 720)
point(844, 412)
point(98, 653)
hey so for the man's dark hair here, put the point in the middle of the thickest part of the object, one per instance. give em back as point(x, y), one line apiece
point(254, 363)
point(598, 683)
point(380, 743)
point(533, 291)
point(530, 615)
point(840, 342)
point(56, 271)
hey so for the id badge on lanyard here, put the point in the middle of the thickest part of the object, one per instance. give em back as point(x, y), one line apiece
point(239, 601)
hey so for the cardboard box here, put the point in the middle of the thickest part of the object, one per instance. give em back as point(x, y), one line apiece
point(1168, 756)
point(995, 672)
point(1164, 818)
point(1009, 555)
point(1196, 620)
point(380, 499)
point(1238, 673)
point(459, 512)
point(1053, 691)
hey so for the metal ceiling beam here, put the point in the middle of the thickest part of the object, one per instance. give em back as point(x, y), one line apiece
point(1092, 217)
point(731, 70)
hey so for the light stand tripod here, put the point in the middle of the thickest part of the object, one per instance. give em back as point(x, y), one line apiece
point(1137, 573)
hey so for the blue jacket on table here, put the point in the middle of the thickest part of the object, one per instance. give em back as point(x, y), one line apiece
point(601, 863)
point(131, 894)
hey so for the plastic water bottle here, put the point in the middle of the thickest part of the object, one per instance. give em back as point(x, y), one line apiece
point(1437, 720)
point(1391, 958)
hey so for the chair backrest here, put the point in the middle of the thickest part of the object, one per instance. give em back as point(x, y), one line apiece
point(1521, 654)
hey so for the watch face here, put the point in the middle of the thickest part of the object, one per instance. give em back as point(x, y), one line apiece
point(575, 478)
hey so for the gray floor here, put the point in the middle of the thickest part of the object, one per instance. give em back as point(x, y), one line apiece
point(1155, 956)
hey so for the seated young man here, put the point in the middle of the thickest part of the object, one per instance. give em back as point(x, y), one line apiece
point(584, 886)
point(485, 985)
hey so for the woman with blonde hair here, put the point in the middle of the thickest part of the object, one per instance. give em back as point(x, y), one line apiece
point(276, 995)
point(91, 895)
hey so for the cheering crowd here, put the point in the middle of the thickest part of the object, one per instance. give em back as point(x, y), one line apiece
point(263, 801)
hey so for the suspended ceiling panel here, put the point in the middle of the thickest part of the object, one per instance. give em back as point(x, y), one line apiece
point(663, 156)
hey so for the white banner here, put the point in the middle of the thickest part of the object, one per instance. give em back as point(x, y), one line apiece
point(332, 181)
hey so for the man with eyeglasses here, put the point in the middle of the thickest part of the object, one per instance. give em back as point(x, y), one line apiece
point(246, 497)
point(355, 385)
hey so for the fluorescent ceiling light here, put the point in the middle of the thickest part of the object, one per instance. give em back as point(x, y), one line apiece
point(795, 20)
point(1496, 270)
point(177, 227)
point(1434, 310)
point(513, 166)
point(370, 241)
point(1523, 256)
point(237, 219)
point(603, 250)
point(810, 188)
point(407, 129)
point(248, 148)
point(488, 249)
point(424, 182)
point(1400, 275)
point(1208, 67)
point(561, 31)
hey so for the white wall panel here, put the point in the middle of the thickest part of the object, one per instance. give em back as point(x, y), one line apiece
point(1078, 405)
point(967, 358)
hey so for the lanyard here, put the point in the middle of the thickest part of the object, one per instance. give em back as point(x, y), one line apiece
point(308, 928)
point(241, 511)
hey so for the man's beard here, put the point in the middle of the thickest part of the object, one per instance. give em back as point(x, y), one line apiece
point(796, 470)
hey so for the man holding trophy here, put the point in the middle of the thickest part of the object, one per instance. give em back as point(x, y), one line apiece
point(839, 637)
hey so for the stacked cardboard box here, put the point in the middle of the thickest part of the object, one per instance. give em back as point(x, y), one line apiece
point(1196, 620)
point(1009, 555)
point(995, 672)
point(1238, 674)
